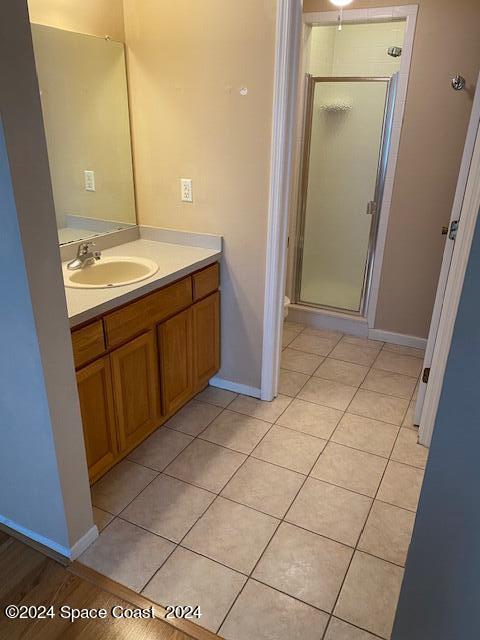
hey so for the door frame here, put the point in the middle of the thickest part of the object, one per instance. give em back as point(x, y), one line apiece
point(291, 32)
point(362, 16)
point(287, 52)
point(465, 208)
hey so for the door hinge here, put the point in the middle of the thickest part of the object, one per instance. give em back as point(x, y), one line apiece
point(426, 375)
point(453, 230)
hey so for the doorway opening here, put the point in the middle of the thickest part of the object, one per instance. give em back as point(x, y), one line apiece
point(350, 94)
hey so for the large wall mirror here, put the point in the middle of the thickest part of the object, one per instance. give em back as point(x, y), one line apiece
point(83, 88)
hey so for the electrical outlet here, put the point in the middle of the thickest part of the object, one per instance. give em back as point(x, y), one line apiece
point(187, 191)
point(89, 180)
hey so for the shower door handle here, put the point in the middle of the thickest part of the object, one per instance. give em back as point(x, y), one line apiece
point(371, 208)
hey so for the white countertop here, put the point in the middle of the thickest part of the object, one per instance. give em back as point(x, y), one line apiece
point(174, 262)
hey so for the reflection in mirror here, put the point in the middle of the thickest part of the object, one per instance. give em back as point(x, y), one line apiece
point(84, 97)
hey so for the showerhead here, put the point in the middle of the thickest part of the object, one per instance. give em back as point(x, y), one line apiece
point(395, 52)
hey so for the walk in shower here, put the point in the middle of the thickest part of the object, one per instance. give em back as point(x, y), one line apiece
point(348, 122)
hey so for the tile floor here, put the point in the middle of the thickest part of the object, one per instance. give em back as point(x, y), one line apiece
point(289, 519)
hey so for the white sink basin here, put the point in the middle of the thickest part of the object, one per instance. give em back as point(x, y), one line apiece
point(110, 272)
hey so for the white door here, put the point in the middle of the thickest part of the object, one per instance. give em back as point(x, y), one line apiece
point(421, 418)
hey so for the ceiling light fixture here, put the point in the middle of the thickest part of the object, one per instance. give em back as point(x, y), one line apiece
point(340, 4)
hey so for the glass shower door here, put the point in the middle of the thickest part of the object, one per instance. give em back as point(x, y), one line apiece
point(342, 157)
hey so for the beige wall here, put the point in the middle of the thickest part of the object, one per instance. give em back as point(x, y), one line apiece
point(85, 109)
point(187, 62)
point(95, 17)
point(447, 42)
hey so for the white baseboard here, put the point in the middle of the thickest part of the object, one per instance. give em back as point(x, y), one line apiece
point(85, 541)
point(322, 319)
point(68, 553)
point(397, 338)
point(236, 387)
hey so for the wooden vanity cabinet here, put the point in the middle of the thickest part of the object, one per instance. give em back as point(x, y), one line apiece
point(98, 416)
point(135, 389)
point(138, 365)
point(175, 343)
point(206, 340)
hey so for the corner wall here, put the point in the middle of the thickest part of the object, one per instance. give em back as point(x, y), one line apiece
point(431, 147)
point(94, 17)
point(43, 472)
point(187, 62)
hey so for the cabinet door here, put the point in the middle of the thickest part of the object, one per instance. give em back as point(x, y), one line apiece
point(98, 416)
point(176, 362)
point(135, 389)
point(206, 339)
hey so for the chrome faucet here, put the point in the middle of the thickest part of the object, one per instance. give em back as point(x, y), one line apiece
point(85, 256)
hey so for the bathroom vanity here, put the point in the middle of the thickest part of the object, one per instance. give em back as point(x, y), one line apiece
point(140, 362)
point(144, 305)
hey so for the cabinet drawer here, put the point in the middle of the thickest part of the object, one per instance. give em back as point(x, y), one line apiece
point(145, 313)
point(88, 343)
point(206, 281)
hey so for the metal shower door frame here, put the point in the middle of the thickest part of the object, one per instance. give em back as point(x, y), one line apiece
point(385, 142)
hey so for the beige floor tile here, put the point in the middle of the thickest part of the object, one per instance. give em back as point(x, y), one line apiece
point(378, 406)
point(388, 532)
point(127, 554)
point(120, 486)
point(401, 485)
point(391, 384)
point(291, 382)
point(206, 465)
point(231, 534)
point(288, 336)
point(168, 507)
point(298, 327)
point(327, 392)
point(299, 361)
point(189, 578)
point(214, 395)
point(398, 363)
point(366, 434)
point(304, 565)
point(405, 351)
point(349, 468)
point(408, 421)
point(101, 518)
point(236, 431)
point(311, 418)
point(264, 486)
point(370, 593)
point(160, 448)
point(340, 630)
point(262, 613)
point(313, 344)
point(408, 450)
point(363, 342)
point(323, 333)
point(341, 371)
point(268, 411)
point(363, 355)
point(291, 449)
point(194, 417)
point(330, 511)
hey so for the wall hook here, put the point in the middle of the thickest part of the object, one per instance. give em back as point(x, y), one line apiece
point(458, 83)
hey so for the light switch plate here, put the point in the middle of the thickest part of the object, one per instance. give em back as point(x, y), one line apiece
point(187, 190)
point(89, 180)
